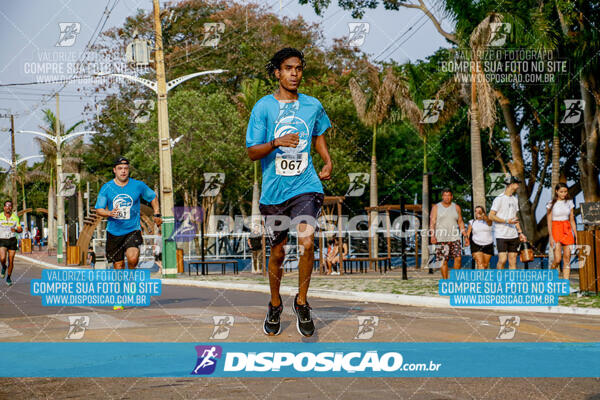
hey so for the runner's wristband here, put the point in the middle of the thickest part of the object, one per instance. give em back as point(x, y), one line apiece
point(158, 215)
point(273, 144)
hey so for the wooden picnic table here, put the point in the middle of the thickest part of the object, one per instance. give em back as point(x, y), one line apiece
point(204, 264)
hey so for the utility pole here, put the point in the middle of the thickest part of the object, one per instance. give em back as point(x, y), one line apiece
point(161, 87)
point(164, 153)
point(13, 176)
point(60, 202)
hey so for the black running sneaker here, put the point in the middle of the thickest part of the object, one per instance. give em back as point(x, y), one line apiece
point(272, 325)
point(3, 271)
point(304, 322)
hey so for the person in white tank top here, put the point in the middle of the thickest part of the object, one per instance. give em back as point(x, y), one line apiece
point(446, 228)
point(482, 241)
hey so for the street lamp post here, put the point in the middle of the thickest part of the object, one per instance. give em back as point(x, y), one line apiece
point(161, 87)
point(60, 206)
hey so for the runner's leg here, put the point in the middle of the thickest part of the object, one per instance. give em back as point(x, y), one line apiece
point(133, 255)
point(512, 260)
point(275, 270)
point(477, 256)
point(557, 255)
point(306, 239)
point(566, 262)
point(502, 260)
point(486, 260)
point(444, 268)
point(457, 262)
point(11, 261)
point(3, 260)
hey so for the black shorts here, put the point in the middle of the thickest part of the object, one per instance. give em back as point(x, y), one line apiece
point(116, 246)
point(10, 244)
point(303, 208)
point(508, 245)
point(486, 249)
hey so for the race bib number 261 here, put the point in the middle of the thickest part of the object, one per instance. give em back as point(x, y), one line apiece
point(123, 213)
point(290, 164)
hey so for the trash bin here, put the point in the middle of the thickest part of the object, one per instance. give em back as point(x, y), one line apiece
point(180, 261)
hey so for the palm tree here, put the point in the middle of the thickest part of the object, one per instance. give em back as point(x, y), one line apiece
point(47, 168)
point(252, 91)
point(373, 108)
point(482, 107)
point(449, 93)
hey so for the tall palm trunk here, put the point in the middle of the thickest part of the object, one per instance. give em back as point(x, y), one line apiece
point(255, 196)
point(555, 163)
point(425, 210)
point(373, 199)
point(555, 149)
point(255, 219)
point(24, 205)
point(476, 158)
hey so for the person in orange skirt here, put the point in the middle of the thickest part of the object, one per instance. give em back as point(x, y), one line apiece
point(561, 227)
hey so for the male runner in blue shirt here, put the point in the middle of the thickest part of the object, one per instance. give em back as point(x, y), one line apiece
point(119, 201)
point(280, 132)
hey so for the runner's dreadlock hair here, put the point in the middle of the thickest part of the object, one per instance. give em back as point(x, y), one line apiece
point(282, 55)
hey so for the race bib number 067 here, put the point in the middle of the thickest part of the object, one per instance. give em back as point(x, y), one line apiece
point(290, 164)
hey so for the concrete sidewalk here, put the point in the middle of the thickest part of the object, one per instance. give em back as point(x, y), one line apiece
point(42, 259)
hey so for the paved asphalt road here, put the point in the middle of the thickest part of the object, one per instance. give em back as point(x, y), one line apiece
point(185, 314)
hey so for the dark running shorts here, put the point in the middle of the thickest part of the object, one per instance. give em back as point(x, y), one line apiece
point(116, 246)
point(304, 208)
point(10, 244)
point(486, 249)
point(508, 245)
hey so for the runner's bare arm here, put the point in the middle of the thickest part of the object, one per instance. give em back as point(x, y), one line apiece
point(103, 212)
point(573, 226)
point(496, 218)
point(156, 208)
point(549, 222)
point(262, 150)
point(461, 223)
point(321, 147)
point(432, 221)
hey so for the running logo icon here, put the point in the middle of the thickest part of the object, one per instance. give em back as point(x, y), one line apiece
point(573, 111)
point(68, 33)
point(187, 223)
point(357, 33)
point(213, 181)
point(223, 324)
point(431, 111)
point(212, 33)
point(77, 326)
point(499, 33)
point(582, 251)
point(207, 359)
point(358, 183)
point(508, 327)
point(366, 327)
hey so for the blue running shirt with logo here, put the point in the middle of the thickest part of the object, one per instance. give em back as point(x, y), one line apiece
point(287, 171)
point(127, 200)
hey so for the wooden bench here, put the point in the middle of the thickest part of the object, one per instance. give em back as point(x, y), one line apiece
point(365, 260)
point(204, 265)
